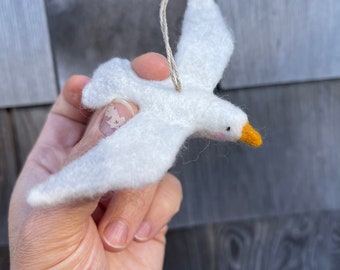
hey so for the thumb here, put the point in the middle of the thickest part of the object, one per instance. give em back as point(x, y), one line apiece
point(103, 123)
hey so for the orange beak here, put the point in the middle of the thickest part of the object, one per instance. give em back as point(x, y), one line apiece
point(250, 136)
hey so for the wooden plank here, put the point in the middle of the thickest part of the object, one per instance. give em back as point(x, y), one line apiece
point(26, 64)
point(301, 242)
point(86, 33)
point(296, 170)
point(270, 48)
point(299, 161)
point(282, 41)
point(27, 123)
point(226, 182)
point(8, 171)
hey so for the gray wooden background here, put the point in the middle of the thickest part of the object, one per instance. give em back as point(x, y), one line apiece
point(276, 207)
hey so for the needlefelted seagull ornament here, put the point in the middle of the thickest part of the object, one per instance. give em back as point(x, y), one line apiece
point(141, 151)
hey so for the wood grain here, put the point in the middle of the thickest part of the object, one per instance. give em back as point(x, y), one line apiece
point(86, 33)
point(299, 242)
point(296, 169)
point(282, 41)
point(276, 41)
point(8, 170)
point(27, 123)
point(26, 63)
point(19, 128)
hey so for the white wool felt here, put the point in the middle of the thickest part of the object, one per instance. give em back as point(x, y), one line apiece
point(141, 151)
point(205, 46)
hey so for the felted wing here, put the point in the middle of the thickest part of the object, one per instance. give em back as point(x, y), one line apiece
point(205, 46)
point(115, 79)
point(137, 154)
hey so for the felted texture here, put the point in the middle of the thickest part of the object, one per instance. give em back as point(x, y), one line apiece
point(141, 151)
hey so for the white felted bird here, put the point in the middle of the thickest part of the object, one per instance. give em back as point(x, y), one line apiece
point(141, 151)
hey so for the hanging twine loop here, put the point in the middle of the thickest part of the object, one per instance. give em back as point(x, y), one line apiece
point(171, 60)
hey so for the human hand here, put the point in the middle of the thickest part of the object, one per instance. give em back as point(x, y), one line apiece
point(123, 229)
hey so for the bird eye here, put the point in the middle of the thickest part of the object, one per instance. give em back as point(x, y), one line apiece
point(228, 129)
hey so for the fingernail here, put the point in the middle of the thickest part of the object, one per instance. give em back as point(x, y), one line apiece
point(115, 234)
point(115, 116)
point(143, 232)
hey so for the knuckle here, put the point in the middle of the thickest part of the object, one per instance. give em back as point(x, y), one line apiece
point(171, 201)
point(136, 199)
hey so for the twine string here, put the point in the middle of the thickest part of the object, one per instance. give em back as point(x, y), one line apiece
point(171, 60)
